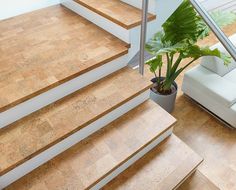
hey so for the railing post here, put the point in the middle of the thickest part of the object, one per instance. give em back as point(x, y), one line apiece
point(143, 35)
point(215, 28)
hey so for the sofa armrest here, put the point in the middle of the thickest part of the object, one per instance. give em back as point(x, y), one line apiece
point(216, 64)
point(206, 81)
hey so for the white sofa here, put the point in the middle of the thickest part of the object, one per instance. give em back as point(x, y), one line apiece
point(213, 85)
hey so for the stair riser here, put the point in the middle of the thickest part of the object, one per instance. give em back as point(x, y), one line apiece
point(97, 19)
point(63, 145)
point(192, 172)
point(44, 99)
point(132, 160)
point(131, 36)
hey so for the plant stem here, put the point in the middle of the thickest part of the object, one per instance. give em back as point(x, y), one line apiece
point(172, 57)
point(159, 78)
point(176, 64)
point(168, 65)
point(155, 75)
point(189, 63)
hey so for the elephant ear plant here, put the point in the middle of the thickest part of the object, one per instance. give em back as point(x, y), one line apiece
point(176, 43)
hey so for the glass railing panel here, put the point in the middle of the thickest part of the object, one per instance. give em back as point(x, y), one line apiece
point(223, 12)
point(220, 15)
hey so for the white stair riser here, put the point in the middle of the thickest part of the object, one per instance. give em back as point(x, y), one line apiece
point(65, 144)
point(188, 176)
point(131, 36)
point(132, 160)
point(60, 91)
point(97, 19)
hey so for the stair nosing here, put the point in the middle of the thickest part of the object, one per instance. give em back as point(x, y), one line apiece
point(3, 172)
point(193, 170)
point(135, 151)
point(130, 156)
point(165, 182)
point(151, 17)
point(58, 83)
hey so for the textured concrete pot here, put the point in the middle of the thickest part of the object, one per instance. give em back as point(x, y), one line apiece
point(167, 102)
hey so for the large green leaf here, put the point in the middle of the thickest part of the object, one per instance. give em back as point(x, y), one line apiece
point(158, 46)
point(155, 63)
point(177, 42)
point(155, 44)
point(185, 25)
point(195, 52)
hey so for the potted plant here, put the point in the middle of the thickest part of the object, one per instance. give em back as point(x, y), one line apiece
point(171, 46)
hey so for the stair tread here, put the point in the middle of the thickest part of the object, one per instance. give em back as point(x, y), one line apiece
point(163, 168)
point(44, 128)
point(117, 11)
point(198, 181)
point(86, 163)
point(47, 47)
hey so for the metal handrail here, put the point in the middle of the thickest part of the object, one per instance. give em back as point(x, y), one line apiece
point(215, 28)
point(143, 35)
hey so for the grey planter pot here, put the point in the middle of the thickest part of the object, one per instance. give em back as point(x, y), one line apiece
point(167, 102)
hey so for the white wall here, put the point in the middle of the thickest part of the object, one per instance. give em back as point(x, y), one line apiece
point(162, 8)
point(10, 8)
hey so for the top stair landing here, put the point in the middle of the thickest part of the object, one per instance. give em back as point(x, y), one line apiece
point(45, 48)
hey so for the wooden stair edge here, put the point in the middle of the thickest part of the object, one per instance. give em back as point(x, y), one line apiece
point(61, 16)
point(113, 132)
point(142, 174)
point(197, 181)
point(118, 21)
point(41, 91)
point(132, 155)
point(197, 161)
point(85, 95)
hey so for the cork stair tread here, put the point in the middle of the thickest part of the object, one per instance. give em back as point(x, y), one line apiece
point(45, 48)
point(198, 181)
point(86, 163)
point(117, 11)
point(163, 168)
point(44, 128)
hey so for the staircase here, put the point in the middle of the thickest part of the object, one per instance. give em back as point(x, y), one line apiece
point(73, 114)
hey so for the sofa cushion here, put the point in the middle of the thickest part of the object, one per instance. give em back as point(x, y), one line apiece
point(216, 64)
point(233, 109)
point(211, 84)
point(231, 76)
